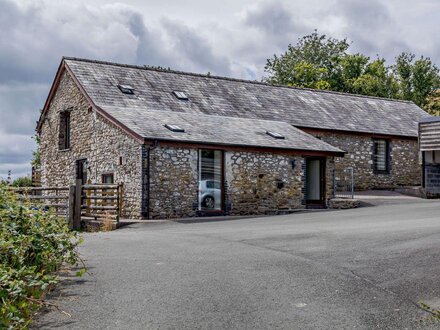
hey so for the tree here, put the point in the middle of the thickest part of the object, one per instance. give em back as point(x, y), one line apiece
point(314, 56)
point(433, 103)
point(322, 62)
point(417, 78)
point(376, 81)
point(23, 181)
point(352, 67)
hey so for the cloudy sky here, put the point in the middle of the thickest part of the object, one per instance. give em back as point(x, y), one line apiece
point(228, 37)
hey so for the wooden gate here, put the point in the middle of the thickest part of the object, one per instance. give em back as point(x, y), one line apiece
point(77, 203)
point(101, 201)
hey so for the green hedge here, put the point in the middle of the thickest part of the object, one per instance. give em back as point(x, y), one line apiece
point(33, 245)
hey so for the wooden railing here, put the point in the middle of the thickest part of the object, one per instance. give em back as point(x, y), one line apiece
point(45, 197)
point(99, 202)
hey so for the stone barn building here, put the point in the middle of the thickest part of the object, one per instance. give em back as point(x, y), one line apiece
point(185, 144)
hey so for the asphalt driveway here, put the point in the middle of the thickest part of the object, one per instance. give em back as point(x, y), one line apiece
point(365, 268)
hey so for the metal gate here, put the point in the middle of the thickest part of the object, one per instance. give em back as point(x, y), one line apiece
point(343, 183)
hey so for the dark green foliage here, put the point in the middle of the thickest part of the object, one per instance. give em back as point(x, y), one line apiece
point(417, 78)
point(433, 103)
point(23, 181)
point(33, 246)
point(317, 61)
point(314, 56)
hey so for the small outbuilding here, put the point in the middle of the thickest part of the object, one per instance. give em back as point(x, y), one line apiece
point(429, 144)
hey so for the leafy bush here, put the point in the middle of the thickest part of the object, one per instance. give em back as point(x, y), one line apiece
point(23, 181)
point(33, 246)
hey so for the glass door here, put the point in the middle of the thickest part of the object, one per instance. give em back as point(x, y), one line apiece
point(315, 181)
point(210, 180)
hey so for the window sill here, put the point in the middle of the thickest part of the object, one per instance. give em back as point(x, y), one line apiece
point(381, 172)
point(64, 150)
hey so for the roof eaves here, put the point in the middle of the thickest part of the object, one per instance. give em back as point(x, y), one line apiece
point(357, 132)
point(335, 151)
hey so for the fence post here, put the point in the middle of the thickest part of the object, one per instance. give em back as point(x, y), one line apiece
point(77, 207)
point(334, 183)
point(71, 209)
point(352, 183)
point(120, 194)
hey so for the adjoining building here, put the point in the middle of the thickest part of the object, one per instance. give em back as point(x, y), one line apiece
point(185, 144)
point(429, 143)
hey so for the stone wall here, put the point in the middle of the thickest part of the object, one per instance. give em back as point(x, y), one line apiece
point(261, 182)
point(255, 183)
point(404, 162)
point(93, 138)
point(330, 167)
point(173, 182)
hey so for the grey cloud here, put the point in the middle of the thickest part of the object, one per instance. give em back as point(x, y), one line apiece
point(15, 154)
point(193, 51)
point(365, 14)
point(271, 25)
point(271, 17)
point(19, 107)
point(279, 24)
point(371, 26)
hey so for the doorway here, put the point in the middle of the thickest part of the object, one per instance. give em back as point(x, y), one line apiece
point(315, 182)
point(81, 170)
point(211, 176)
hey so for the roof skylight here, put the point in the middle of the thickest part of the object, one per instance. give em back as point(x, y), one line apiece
point(175, 128)
point(180, 95)
point(275, 135)
point(126, 89)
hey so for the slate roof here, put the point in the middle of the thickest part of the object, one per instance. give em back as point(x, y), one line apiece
point(219, 130)
point(432, 119)
point(247, 99)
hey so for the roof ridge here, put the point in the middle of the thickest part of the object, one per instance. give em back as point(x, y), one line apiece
point(151, 68)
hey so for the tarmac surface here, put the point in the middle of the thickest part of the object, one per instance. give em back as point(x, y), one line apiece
point(365, 268)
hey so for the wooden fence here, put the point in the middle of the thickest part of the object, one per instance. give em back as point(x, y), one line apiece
point(36, 177)
point(77, 203)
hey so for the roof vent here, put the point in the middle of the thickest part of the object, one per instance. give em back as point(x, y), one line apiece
point(175, 128)
point(126, 89)
point(275, 135)
point(180, 95)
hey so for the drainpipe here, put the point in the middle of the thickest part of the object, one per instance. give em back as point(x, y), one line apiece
point(149, 149)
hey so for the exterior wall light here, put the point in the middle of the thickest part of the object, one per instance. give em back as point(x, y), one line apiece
point(293, 163)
